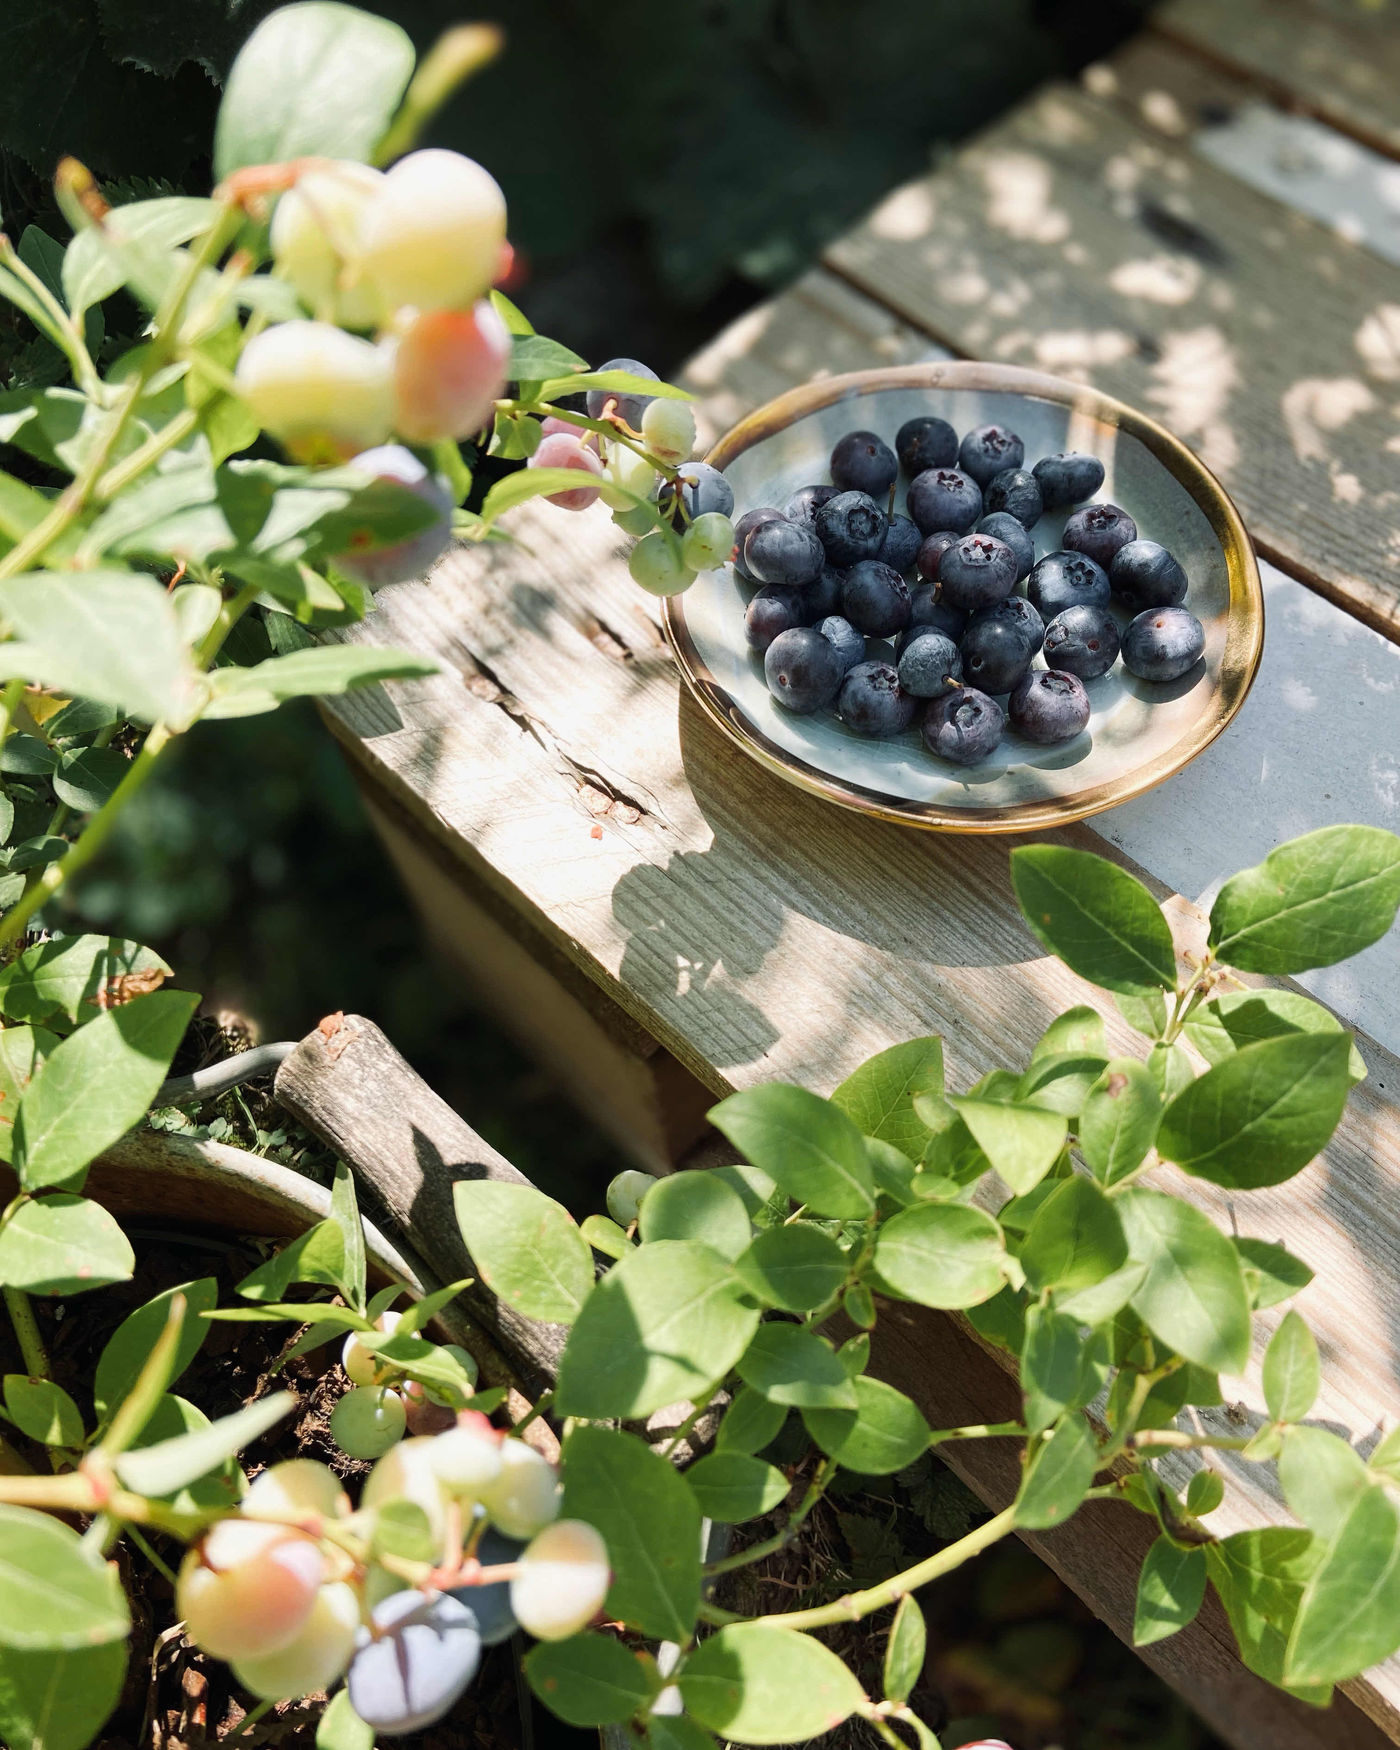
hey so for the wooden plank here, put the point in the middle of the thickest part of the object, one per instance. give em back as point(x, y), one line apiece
point(758, 934)
point(1341, 62)
point(1071, 238)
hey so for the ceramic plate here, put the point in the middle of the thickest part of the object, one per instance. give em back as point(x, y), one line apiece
point(1138, 735)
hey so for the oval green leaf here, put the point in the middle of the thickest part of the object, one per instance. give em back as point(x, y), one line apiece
point(808, 1145)
point(884, 1433)
point(527, 1248)
point(1244, 1017)
point(904, 1651)
point(59, 1701)
point(1171, 1588)
point(879, 1096)
point(1349, 1617)
point(1292, 1372)
point(1100, 920)
point(55, 1593)
point(791, 1365)
point(696, 1205)
point(589, 1679)
point(794, 1268)
point(63, 1244)
point(756, 1684)
point(1119, 1121)
point(733, 1486)
point(750, 1422)
point(941, 1255)
point(1075, 1239)
point(1193, 1296)
point(43, 1410)
point(1060, 1475)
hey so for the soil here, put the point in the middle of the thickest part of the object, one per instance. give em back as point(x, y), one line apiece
point(176, 1696)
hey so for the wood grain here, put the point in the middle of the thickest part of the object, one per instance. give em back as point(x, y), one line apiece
point(1340, 62)
point(1071, 238)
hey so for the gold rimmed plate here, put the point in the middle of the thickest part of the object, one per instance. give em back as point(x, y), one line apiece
point(1138, 734)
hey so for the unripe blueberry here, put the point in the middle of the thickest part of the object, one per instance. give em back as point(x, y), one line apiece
point(367, 1421)
point(315, 237)
point(655, 564)
point(449, 367)
point(406, 1471)
point(709, 540)
point(564, 1578)
point(432, 234)
point(524, 1498)
point(402, 562)
point(561, 450)
point(316, 1657)
point(636, 520)
point(625, 1195)
point(630, 477)
point(669, 429)
point(467, 1458)
point(247, 1589)
point(552, 426)
point(322, 393)
point(409, 1669)
point(359, 1363)
point(296, 1489)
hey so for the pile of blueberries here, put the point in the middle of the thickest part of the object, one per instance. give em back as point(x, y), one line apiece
point(833, 565)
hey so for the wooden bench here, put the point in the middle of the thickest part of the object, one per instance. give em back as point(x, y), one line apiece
point(664, 922)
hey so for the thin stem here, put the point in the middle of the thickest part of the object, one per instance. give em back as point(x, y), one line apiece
point(31, 1344)
point(64, 332)
point(249, 1720)
point(545, 1400)
point(133, 466)
point(1178, 1438)
point(770, 1546)
point(1142, 1387)
point(151, 1556)
point(99, 830)
point(856, 1605)
point(979, 1431)
point(706, 1398)
point(228, 617)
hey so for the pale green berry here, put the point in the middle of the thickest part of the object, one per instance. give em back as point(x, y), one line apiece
point(524, 1498)
point(315, 237)
point(432, 235)
point(325, 395)
point(317, 1656)
point(247, 1589)
point(629, 477)
point(367, 1421)
point(668, 428)
point(625, 1195)
point(406, 1472)
point(708, 541)
point(563, 1580)
point(656, 565)
point(361, 1367)
point(298, 1488)
point(636, 521)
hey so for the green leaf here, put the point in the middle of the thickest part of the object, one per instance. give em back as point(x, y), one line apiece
point(808, 1145)
point(792, 1365)
point(171, 1464)
point(1349, 1617)
point(756, 1191)
point(318, 1255)
point(423, 1311)
point(341, 1728)
point(620, 382)
point(87, 776)
point(56, 1595)
point(795, 1268)
point(1244, 1017)
point(526, 1248)
point(1272, 1274)
point(61, 1700)
point(1119, 1121)
point(43, 1410)
point(127, 1348)
point(402, 1528)
point(1171, 1588)
point(1075, 1240)
point(1061, 1473)
point(1260, 1576)
point(313, 80)
point(94, 1086)
point(941, 1255)
point(732, 1486)
point(1292, 1372)
point(696, 1205)
point(1313, 901)
point(1101, 921)
point(1078, 1030)
point(68, 974)
point(214, 1492)
point(1171, 1068)
point(111, 636)
point(1021, 1142)
point(649, 1519)
point(25, 756)
point(1322, 1478)
point(885, 1432)
point(515, 489)
point(63, 1245)
point(1104, 1300)
point(756, 1684)
point(94, 263)
point(1193, 1296)
point(879, 1096)
point(1059, 1370)
point(22, 1049)
point(589, 1679)
point(1261, 1115)
point(323, 669)
point(534, 358)
point(1145, 1012)
point(750, 1422)
point(1060, 1081)
point(662, 1325)
point(677, 1732)
point(904, 1651)
point(605, 1236)
point(1204, 1492)
point(345, 1213)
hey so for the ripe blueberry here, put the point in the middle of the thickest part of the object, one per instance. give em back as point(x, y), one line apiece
point(702, 489)
point(1163, 644)
point(824, 596)
point(901, 544)
point(1016, 535)
point(851, 527)
point(977, 571)
point(927, 609)
point(846, 641)
point(1049, 706)
point(804, 504)
point(1099, 530)
point(408, 1670)
point(1145, 575)
point(875, 599)
point(862, 462)
point(629, 407)
point(1017, 494)
point(1082, 641)
point(1068, 478)
point(412, 556)
point(932, 549)
point(1067, 580)
point(773, 610)
point(743, 528)
point(987, 450)
point(926, 442)
point(872, 702)
point(944, 498)
point(963, 727)
point(999, 643)
point(929, 664)
point(803, 670)
point(782, 552)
